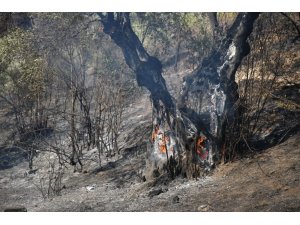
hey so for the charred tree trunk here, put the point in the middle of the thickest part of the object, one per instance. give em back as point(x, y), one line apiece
point(210, 94)
point(213, 20)
point(85, 106)
point(73, 130)
point(147, 68)
point(76, 153)
point(198, 124)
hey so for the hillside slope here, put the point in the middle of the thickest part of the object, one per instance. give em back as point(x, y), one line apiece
point(266, 182)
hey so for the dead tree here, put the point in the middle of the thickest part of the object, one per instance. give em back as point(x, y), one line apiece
point(199, 121)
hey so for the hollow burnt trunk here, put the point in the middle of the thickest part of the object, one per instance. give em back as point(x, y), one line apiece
point(193, 131)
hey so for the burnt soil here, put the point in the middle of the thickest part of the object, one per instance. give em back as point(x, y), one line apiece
point(267, 181)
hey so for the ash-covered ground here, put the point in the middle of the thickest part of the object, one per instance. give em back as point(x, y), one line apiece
point(267, 181)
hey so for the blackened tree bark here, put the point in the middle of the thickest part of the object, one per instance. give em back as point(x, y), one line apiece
point(148, 69)
point(209, 94)
point(213, 20)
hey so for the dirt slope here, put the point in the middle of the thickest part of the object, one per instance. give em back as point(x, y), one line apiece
point(267, 182)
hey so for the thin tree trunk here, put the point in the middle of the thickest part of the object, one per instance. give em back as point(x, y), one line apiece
point(73, 129)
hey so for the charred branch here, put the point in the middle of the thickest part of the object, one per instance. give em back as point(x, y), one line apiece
point(148, 69)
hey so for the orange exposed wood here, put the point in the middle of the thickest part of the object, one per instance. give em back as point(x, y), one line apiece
point(163, 147)
point(200, 144)
point(154, 133)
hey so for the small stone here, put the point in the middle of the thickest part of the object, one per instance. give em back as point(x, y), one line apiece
point(32, 171)
point(203, 208)
point(155, 192)
point(91, 188)
point(176, 199)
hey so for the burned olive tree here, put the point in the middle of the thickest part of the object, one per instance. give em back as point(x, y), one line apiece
point(192, 131)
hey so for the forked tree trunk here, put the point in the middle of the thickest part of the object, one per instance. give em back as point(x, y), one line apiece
point(192, 132)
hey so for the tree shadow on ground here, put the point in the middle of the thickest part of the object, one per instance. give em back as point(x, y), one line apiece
point(11, 156)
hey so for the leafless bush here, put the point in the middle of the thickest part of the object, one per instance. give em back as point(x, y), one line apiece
point(50, 184)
